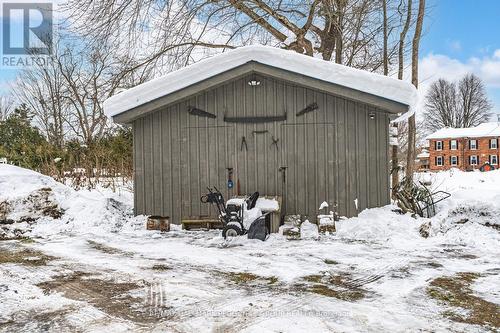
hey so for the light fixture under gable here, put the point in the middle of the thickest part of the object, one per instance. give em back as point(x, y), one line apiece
point(254, 81)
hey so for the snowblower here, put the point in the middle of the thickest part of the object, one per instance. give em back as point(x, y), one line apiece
point(232, 216)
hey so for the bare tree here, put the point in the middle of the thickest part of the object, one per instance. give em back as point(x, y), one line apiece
point(400, 128)
point(6, 106)
point(385, 38)
point(441, 105)
point(410, 160)
point(345, 31)
point(42, 89)
point(67, 94)
point(473, 104)
point(456, 104)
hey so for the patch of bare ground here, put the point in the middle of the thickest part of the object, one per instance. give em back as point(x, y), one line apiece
point(330, 262)
point(40, 321)
point(245, 278)
point(455, 291)
point(111, 297)
point(459, 254)
point(24, 256)
point(340, 286)
point(107, 249)
point(161, 267)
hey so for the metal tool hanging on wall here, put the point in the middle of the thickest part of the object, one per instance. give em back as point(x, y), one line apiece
point(275, 142)
point(255, 119)
point(243, 144)
point(311, 107)
point(200, 113)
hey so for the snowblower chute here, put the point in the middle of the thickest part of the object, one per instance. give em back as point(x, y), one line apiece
point(232, 216)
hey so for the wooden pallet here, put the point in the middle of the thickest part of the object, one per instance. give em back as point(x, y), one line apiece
point(201, 223)
point(330, 228)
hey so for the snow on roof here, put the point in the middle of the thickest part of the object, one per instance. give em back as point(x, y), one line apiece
point(424, 154)
point(483, 130)
point(375, 84)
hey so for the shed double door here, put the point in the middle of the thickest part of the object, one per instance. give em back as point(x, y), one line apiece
point(207, 154)
point(256, 153)
point(257, 162)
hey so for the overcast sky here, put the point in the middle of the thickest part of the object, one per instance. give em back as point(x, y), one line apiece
point(460, 36)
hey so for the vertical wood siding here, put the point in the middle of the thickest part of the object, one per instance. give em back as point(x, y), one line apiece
point(335, 153)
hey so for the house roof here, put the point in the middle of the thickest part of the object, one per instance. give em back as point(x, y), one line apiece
point(424, 154)
point(483, 130)
point(365, 82)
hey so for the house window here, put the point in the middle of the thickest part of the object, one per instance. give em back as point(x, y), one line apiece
point(473, 144)
point(493, 159)
point(473, 160)
point(454, 160)
point(439, 145)
point(439, 161)
point(493, 144)
point(453, 144)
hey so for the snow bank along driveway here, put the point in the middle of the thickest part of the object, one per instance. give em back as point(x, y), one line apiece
point(79, 261)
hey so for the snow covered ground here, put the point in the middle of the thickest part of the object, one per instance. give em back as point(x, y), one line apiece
point(79, 261)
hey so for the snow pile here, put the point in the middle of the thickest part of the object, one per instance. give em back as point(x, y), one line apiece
point(470, 217)
point(265, 204)
point(26, 196)
point(326, 220)
point(34, 203)
point(308, 230)
point(379, 224)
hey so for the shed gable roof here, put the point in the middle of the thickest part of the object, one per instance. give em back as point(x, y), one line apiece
point(272, 61)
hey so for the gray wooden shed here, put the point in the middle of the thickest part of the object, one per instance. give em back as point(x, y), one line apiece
point(280, 123)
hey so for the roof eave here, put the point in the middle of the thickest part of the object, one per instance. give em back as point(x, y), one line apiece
point(385, 104)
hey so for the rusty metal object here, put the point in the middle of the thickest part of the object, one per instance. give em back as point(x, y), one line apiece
point(418, 198)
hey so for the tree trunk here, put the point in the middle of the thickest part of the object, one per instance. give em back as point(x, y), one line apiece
point(339, 27)
point(410, 160)
point(386, 58)
point(394, 150)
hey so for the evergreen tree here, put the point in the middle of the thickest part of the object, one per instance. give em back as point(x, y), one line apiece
point(20, 142)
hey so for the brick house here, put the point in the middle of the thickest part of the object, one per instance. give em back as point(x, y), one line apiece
point(422, 160)
point(465, 148)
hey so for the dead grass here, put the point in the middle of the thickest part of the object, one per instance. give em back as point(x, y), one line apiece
point(336, 286)
point(455, 291)
point(434, 264)
point(330, 262)
point(161, 267)
point(108, 249)
point(26, 257)
point(246, 278)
